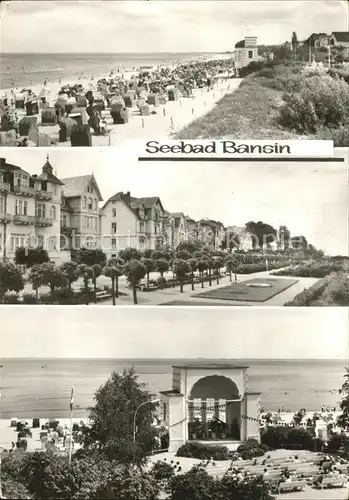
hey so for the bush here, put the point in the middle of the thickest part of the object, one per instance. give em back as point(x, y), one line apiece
point(321, 102)
point(337, 291)
point(250, 449)
point(310, 270)
point(194, 449)
point(308, 295)
point(284, 437)
point(29, 298)
point(11, 298)
point(335, 443)
point(162, 471)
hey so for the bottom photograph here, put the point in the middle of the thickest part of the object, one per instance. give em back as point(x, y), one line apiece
point(174, 403)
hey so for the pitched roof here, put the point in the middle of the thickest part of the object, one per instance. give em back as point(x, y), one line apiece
point(341, 36)
point(47, 174)
point(134, 203)
point(75, 186)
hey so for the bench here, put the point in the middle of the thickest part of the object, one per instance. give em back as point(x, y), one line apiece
point(292, 486)
point(332, 482)
point(342, 467)
point(103, 295)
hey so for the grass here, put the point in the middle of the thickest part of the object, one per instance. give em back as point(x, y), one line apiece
point(241, 292)
point(250, 111)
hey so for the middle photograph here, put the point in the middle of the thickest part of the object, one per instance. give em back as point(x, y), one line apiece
point(96, 227)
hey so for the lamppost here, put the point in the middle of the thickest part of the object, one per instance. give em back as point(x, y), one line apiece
point(135, 415)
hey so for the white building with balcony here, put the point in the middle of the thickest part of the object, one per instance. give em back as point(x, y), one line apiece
point(29, 211)
point(132, 222)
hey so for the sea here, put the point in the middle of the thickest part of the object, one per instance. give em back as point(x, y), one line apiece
point(33, 69)
point(42, 387)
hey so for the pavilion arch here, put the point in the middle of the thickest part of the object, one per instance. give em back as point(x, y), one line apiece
point(214, 387)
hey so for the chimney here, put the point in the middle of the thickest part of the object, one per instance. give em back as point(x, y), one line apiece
point(128, 193)
point(2, 161)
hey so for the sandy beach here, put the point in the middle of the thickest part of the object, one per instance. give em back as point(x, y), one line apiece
point(163, 120)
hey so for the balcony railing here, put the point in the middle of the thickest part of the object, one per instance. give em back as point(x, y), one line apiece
point(5, 186)
point(43, 221)
point(44, 195)
point(26, 220)
point(6, 217)
point(24, 190)
point(68, 229)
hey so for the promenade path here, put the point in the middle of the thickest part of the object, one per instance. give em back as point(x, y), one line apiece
point(159, 126)
point(168, 295)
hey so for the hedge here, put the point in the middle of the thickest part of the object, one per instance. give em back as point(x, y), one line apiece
point(308, 295)
point(194, 449)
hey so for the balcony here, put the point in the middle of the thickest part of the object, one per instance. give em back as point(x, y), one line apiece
point(4, 218)
point(68, 230)
point(43, 222)
point(43, 195)
point(25, 220)
point(4, 187)
point(24, 190)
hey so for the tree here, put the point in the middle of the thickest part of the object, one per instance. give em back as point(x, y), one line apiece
point(284, 235)
point(162, 266)
point(113, 270)
point(299, 243)
point(113, 415)
point(11, 279)
point(343, 419)
point(129, 254)
point(193, 264)
point(218, 264)
point(181, 268)
point(86, 272)
point(182, 254)
point(210, 264)
point(48, 274)
point(96, 272)
point(202, 267)
point(231, 267)
point(71, 272)
point(90, 256)
point(134, 271)
point(31, 256)
point(294, 44)
point(149, 266)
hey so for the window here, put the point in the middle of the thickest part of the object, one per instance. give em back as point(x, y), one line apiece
point(156, 215)
point(40, 240)
point(114, 212)
point(53, 213)
point(113, 255)
point(84, 202)
point(250, 54)
point(54, 189)
point(2, 205)
point(18, 240)
point(141, 227)
point(1, 238)
point(40, 210)
point(90, 189)
point(113, 243)
point(53, 243)
point(113, 202)
point(114, 227)
point(89, 204)
point(21, 207)
point(63, 220)
point(156, 229)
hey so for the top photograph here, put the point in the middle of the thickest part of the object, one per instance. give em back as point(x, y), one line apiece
point(97, 73)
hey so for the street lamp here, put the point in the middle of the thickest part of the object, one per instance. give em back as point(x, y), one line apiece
point(135, 415)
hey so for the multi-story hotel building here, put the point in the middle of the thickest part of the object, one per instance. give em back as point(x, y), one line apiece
point(80, 213)
point(30, 209)
point(132, 222)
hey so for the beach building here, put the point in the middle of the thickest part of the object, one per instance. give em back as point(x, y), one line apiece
point(133, 222)
point(80, 221)
point(246, 51)
point(340, 39)
point(30, 210)
point(208, 403)
point(211, 233)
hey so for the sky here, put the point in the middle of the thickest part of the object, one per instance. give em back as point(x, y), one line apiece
point(161, 26)
point(310, 199)
point(142, 332)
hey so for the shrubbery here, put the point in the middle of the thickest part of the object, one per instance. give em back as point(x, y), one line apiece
point(323, 101)
point(194, 449)
point(283, 437)
point(251, 448)
point(308, 295)
point(310, 270)
point(256, 268)
point(330, 291)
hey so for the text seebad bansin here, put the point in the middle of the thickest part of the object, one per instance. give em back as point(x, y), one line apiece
point(220, 147)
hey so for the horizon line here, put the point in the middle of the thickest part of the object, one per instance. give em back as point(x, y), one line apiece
point(200, 359)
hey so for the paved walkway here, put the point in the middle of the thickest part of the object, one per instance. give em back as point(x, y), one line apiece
point(162, 297)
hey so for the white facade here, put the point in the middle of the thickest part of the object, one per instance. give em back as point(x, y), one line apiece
point(246, 51)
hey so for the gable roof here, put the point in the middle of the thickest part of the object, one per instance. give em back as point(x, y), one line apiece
point(75, 186)
point(133, 203)
point(341, 36)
